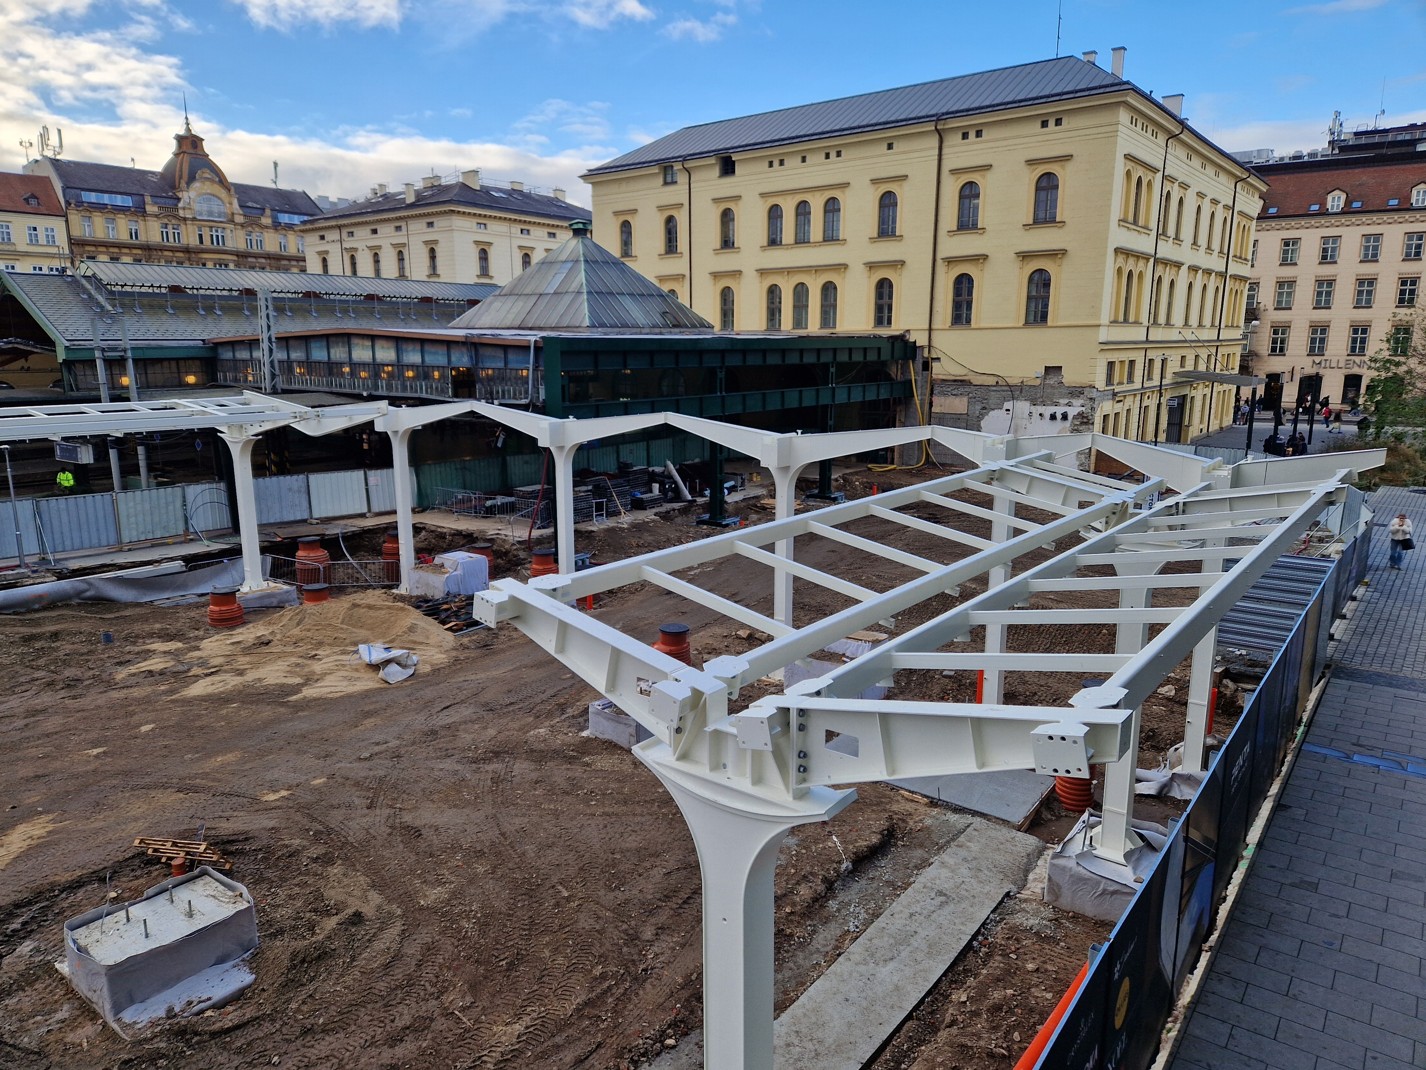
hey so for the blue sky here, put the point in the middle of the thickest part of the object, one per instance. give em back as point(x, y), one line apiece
point(348, 93)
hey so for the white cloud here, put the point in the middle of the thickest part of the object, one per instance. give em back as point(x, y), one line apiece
point(288, 14)
point(1336, 7)
point(598, 14)
point(701, 30)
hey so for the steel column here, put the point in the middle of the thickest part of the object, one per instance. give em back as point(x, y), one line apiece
point(401, 483)
point(241, 446)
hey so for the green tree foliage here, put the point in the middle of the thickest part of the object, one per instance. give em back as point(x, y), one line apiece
point(1395, 396)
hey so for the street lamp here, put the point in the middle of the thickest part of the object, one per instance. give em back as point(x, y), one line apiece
point(14, 509)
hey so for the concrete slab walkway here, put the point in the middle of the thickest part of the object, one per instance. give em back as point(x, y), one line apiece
point(1323, 964)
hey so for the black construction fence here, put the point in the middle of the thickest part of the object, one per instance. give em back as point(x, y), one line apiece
point(1117, 1018)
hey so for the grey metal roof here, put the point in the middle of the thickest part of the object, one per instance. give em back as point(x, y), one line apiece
point(66, 311)
point(581, 287)
point(1062, 78)
point(77, 175)
point(486, 198)
point(160, 277)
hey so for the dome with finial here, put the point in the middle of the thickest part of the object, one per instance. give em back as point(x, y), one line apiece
point(189, 160)
point(581, 286)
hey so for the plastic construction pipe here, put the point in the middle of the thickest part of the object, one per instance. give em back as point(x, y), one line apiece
point(1042, 1038)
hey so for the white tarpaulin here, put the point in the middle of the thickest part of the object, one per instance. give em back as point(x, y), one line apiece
point(395, 665)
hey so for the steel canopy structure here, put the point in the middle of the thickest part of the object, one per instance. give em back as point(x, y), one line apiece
point(1166, 567)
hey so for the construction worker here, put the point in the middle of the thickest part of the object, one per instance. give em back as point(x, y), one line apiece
point(65, 481)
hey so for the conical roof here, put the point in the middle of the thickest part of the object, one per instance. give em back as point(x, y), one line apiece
point(581, 287)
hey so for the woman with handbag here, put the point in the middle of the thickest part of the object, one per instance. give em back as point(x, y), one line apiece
point(1398, 532)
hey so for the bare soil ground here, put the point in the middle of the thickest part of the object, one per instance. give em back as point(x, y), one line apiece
point(447, 873)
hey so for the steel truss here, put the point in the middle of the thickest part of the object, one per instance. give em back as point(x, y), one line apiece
point(1168, 569)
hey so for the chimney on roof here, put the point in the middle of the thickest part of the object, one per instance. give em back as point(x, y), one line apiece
point(1091, 57)
point(410, 193)
point(1174, 103)
point(471, 178)
point(429, 181)
point(557, 193)
point(381, 188)
point(580, 228)
point(518, 186)
point(1117, 65)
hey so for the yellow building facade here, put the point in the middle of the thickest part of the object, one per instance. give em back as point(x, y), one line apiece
point(33, 236)
point(1058, 242)
point(188, 212)
point(464, 230)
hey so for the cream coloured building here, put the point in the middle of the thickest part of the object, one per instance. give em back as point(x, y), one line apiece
point(188, 212)
point(33, 236)
point(1338, 266)
point(460, 231)
point(1060, 242)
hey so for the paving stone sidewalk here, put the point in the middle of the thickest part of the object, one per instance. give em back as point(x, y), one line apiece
point(1323, 964)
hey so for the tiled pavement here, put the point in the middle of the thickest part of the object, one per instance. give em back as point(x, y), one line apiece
point(1323, 964)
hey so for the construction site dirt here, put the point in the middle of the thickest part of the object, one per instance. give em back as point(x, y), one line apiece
point(447, 872)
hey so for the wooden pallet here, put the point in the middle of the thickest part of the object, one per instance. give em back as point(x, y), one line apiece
point(194, 852)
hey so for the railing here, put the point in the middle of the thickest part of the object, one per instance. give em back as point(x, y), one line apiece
point(351, 572)
point(1117, 1017)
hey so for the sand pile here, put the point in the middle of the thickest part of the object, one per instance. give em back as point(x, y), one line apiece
point(312, 649)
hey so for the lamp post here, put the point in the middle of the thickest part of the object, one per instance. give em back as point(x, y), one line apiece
point(14, 509)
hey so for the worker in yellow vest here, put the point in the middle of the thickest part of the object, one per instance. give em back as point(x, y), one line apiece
point(65, 481)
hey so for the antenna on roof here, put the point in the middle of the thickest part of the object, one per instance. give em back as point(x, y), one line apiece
point(27, 146)
point(1059, 25)
point(274, 175)
point(48, 147)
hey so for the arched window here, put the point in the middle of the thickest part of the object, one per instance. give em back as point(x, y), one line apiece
point(524, 261)
point(670, 234)
point(832, 220)
point(725, 309)
point(1047, 198)
point(482, 261)
point(968, 212)
point(1212, 225)
point(883, 304)
point(1138, 198)
point(1188, 303)
point(376, 265)
point(1037, 297)
point(1197, 223)
point(353, 264)
point(774, 307)
point(325, 271)
point(400, 263)
point(801, 298)
point(886, 215)
point(206, 206)
point(802, 223)
point(1164, 216)
point(432, 262)
point(828, 318)
point(672, 293)
point(1168, 304)
point(962, 300)
point(774, 225)
point(626, 238)
point(727, 229)
point(1178, 220)
point(1223, 242)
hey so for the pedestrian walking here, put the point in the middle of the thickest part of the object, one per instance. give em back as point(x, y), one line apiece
point(1337, 422)
point(1398, 533)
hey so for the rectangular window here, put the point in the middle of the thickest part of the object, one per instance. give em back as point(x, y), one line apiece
point(1252, 296)
point(282, 243)
point(111, 227)
point(133, 230)
point(1366, 293)
point(1109, 373)
point(1371, 248)
point(32, 235)
point(255, 240)
point(218, 236)
point(86, 224)
point(1330, 247)
point(1290, 248)
point(1358, 341)
point(1286, 288)
point(670, 175)
point(1411, 247)
point(1323, 292)
point(524, 230)
point(1406, 289)
point(1400, 343)
point(1253, 257)
point(482, 226)
point(1277, 341)
point(51, 236)
point(5, 235)
point(1316, 341)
